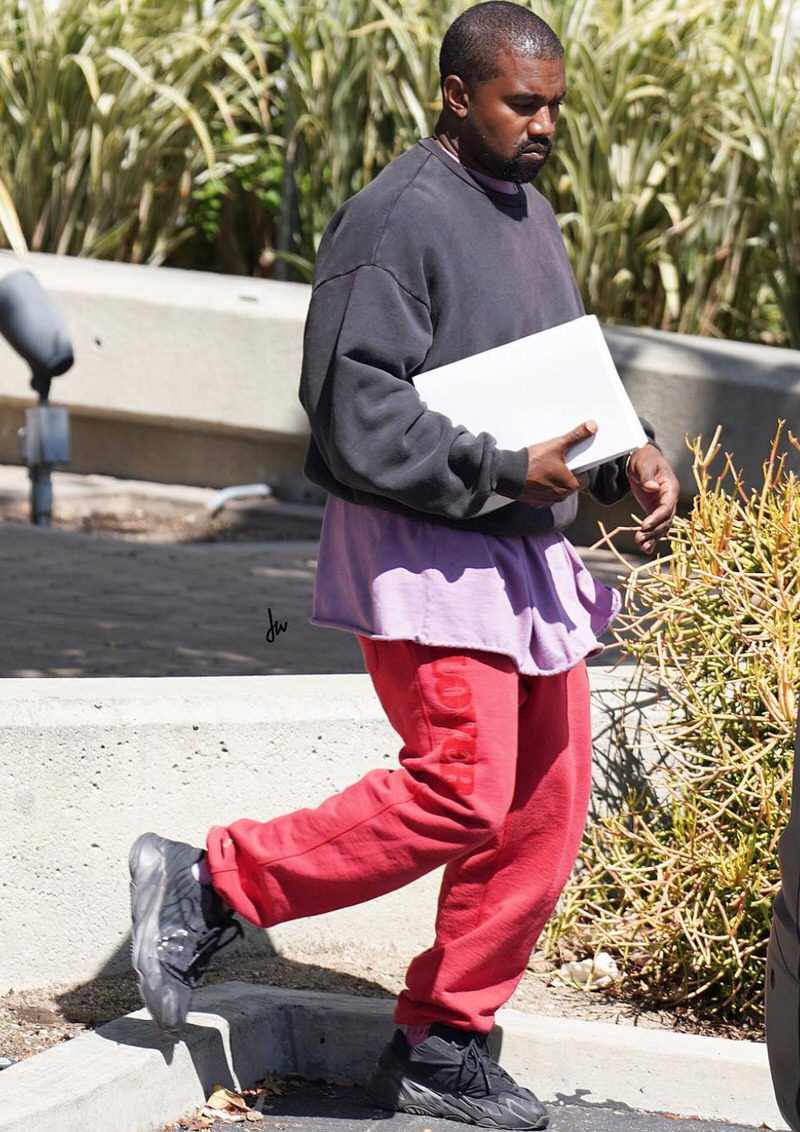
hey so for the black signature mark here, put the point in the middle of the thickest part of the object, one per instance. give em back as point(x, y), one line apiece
point(274, 628)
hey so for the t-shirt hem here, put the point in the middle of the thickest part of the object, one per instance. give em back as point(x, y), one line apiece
point(524, 670)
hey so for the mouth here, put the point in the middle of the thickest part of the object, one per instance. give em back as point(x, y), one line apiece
point(540, 151)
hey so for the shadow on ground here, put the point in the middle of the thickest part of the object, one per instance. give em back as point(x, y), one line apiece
point(109, 996)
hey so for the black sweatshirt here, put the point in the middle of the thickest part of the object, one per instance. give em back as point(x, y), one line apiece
point(423, 267)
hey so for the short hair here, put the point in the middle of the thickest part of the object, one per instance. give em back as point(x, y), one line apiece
point(474, 41)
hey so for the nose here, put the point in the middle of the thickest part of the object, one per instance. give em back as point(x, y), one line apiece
point(542, 124)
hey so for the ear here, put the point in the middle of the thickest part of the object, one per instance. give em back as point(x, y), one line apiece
point(455, 96)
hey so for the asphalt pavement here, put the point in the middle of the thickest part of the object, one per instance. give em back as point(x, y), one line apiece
point(318, 1107)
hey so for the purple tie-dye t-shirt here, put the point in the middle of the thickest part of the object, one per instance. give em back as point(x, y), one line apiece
point(392, 577)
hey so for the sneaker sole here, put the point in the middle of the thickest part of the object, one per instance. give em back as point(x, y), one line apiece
point(161, 995)
point(408, 1096)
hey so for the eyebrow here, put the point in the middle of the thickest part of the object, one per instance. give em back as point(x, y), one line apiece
point(532, 96)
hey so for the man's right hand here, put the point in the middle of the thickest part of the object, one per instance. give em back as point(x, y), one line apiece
point(549, 480)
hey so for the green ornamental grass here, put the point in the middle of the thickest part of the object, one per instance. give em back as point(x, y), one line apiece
point(224, 135)
point(113, 114)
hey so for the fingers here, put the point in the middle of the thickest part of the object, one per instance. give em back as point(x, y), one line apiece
point(660, 510)
point(549, 479)
point(655, 526)
point(645, 544)
point(576, 435)
point(545, 488)
point(645, 466)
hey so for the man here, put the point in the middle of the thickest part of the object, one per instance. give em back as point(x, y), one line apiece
point(474, 619)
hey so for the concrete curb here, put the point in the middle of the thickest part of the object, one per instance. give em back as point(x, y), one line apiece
point(126, 1078)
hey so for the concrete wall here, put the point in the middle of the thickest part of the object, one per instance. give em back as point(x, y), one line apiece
point(688, 386)
point(191, 377)
point(179, 376)
point(88, 764)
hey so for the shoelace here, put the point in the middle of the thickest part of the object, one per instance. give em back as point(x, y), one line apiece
point(207, 945)
point(493, 1069)
point(476, 1065)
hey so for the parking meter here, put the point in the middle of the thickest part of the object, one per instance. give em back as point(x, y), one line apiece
point(31, 324)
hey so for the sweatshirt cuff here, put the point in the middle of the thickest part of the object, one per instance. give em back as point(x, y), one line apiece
point(512, 471)
point(649, 432)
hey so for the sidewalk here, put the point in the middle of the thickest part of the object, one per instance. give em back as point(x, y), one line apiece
point(87, 604)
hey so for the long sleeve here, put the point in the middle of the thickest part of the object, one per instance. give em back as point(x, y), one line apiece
point(365, 337)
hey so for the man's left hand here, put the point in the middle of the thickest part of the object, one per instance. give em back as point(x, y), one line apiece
point(655, 488)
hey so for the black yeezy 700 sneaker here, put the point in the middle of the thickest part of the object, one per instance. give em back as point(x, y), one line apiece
point(178, 924)
point(451, 1075)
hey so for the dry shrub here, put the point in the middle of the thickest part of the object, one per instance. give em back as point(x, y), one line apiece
point(679, 884)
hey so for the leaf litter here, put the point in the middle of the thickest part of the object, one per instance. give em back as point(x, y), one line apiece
point(229, 1107)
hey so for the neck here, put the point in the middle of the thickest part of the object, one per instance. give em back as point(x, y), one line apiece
point(447, 141)
point(447, 132)
point(496, 183)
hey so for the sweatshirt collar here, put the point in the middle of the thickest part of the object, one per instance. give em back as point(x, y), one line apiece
point(508, 200)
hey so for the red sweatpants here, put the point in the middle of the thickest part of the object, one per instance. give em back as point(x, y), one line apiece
point(493, 782)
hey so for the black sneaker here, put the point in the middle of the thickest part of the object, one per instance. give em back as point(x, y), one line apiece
point(178, 924)
point(451, 1075)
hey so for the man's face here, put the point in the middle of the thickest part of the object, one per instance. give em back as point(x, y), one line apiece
point(508, 122)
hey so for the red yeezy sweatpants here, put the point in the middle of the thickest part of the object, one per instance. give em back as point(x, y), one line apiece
point(493, 782)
